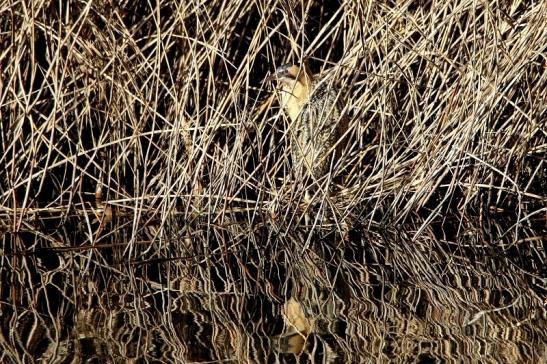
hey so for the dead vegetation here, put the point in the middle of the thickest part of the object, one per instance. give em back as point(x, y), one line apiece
point(139, 145)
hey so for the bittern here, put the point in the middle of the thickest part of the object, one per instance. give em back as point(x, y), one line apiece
point(315, 114)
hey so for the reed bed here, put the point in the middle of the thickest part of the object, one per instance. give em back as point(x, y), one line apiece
point(140, 145)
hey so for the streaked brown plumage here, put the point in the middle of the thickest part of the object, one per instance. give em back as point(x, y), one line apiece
point(316, 120)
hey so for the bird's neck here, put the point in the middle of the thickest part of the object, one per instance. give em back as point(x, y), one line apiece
point(295, 95)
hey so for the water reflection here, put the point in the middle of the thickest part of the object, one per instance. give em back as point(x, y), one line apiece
point(378, 296)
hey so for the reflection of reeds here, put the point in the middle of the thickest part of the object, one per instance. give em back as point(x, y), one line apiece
point(164, 111)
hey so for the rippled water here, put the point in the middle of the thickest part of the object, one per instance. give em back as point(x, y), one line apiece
point(270, 297)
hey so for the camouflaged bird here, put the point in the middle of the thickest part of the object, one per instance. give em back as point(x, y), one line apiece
point(316, 121)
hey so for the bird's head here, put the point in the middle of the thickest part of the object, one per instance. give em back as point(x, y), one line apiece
point(289, 75)
point(295, 86)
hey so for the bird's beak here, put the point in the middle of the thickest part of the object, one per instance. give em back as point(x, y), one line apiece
point(271, 77)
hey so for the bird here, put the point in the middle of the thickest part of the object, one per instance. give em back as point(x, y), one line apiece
point(315, 111)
